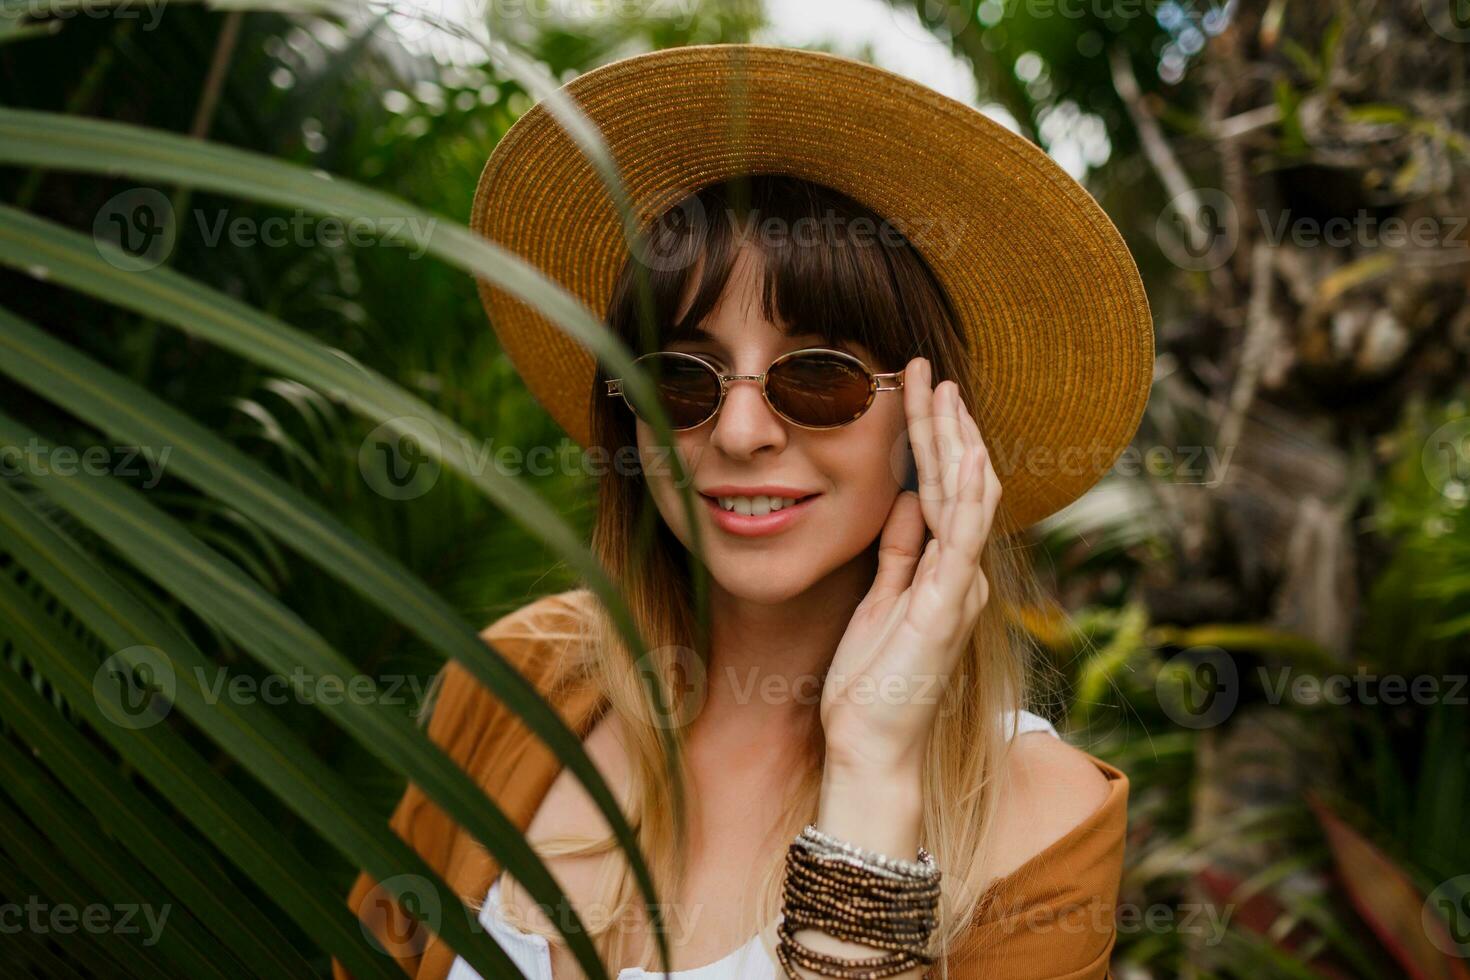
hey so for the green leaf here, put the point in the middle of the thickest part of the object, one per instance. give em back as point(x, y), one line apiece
point(67, 258)
point(16, 887)
point(1305, 62)
point(114, 877)
point(223, 595)
point(93, 146)
point(263, 746)
point(188, 870)
point(56, 879)
point(125, 411)
point(1293, 137)
point(1377, 113)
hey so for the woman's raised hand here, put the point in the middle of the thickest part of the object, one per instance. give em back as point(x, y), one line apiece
point(883, 689)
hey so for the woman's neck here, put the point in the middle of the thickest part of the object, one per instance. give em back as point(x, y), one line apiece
point(767, 660)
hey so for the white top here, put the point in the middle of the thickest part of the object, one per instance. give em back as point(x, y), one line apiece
point(532, 956)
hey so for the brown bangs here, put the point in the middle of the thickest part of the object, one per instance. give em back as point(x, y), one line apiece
point(833, 268)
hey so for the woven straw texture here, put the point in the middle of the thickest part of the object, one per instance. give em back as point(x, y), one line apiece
point(1041, 279)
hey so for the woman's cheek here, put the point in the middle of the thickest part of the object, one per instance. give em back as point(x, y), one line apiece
point(658, 472)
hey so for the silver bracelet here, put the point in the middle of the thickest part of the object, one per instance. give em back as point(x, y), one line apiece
point(828, 846)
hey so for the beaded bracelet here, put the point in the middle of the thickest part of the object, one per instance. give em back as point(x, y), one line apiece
point(861, 896)
point(924, 867)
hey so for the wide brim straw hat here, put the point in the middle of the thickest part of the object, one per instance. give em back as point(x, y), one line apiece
point(1037, 273)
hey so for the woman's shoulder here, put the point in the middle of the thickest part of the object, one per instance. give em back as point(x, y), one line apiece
point(1058, 862)
point(1051, 791)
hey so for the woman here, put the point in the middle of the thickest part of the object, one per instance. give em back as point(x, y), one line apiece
point(863, 671)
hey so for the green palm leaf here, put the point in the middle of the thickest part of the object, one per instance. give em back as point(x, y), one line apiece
point(111, 874)
point(125, 411)
point(174, 298)
point(260, 743)
point(219, 592)
point(188, 870)
point(37, 874)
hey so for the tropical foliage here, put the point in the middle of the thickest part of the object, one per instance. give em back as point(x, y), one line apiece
point(242, 348)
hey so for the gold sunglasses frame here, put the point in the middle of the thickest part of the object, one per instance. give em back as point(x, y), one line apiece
point(876, 384)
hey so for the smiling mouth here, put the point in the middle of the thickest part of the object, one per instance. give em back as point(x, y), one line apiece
point(755, 506)
point(758, 522)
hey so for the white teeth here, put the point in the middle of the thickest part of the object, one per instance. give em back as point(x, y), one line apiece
point(755, 506)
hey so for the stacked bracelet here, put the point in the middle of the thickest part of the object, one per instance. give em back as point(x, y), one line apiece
point(860, 896)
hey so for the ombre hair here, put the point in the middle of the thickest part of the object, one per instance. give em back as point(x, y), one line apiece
point(885, 296)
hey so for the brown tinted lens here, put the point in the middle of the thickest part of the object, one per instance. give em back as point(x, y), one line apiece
point(688, 389)
point(819, 390)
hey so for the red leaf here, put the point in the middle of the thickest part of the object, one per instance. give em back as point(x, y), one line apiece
point(1388, 901)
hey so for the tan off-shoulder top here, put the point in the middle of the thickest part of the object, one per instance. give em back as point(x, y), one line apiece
point(1050, 918)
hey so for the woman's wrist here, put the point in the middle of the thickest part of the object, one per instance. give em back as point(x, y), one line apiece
point(874, 807)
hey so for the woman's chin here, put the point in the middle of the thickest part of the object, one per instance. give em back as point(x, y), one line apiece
point(757, 582)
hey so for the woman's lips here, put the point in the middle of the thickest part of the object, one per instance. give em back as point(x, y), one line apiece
point(752, 526)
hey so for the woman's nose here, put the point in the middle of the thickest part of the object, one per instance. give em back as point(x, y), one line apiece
point(746, 423)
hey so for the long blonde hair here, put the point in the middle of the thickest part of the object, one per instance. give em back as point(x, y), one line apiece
point(887, 298)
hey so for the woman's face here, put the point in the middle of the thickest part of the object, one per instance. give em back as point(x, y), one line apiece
point(850, 471)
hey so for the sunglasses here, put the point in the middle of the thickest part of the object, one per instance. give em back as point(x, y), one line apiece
point(815, 387)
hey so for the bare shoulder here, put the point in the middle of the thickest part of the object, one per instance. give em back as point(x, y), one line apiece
point(1048, 791)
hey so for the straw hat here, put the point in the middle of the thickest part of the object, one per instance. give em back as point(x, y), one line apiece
point(1040, 277)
